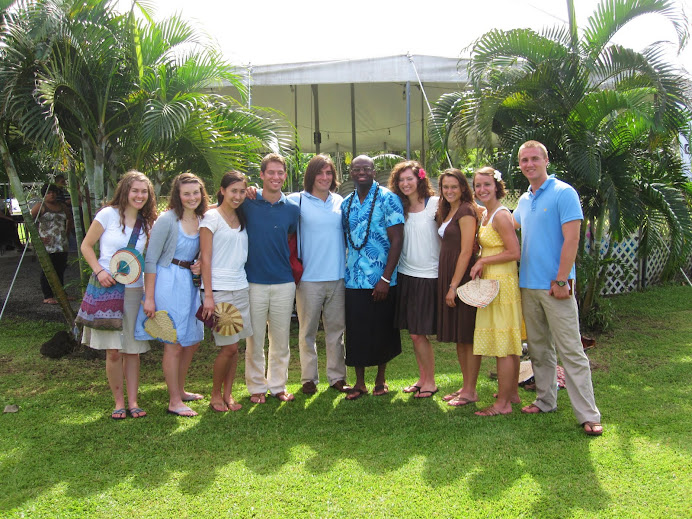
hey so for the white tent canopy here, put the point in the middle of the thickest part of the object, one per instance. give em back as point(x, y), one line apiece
point(362, 99)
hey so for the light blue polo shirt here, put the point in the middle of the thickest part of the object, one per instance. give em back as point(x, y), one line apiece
point(541, 216)
point(320, 236)
point(268, 227)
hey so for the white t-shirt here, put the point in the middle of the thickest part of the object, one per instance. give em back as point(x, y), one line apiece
point(228, 253)
point(113, 238)
point(420, 253)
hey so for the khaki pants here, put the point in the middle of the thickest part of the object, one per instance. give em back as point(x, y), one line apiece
point(270, 307)
point(552, 327)
point(326, 299)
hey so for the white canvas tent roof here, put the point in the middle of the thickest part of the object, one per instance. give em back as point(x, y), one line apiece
point(320, 94)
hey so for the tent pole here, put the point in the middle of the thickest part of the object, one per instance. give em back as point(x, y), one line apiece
point(408, 120)
point(353, 118)
point(422, 130)
point(318, 136)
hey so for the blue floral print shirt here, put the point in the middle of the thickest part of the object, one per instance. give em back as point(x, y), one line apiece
point(365, 266)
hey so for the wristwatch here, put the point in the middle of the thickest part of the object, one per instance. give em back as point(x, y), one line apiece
point(561, 283)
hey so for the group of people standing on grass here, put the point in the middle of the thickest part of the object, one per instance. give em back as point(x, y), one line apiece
point(379, 261)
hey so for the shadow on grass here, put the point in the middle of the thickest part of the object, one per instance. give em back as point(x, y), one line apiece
point(64, 439)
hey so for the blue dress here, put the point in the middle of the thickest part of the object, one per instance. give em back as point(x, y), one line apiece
point(176, 294)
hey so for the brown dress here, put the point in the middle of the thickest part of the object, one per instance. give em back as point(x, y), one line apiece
point(454, 324)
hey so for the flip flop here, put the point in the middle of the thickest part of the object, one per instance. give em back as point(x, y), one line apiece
point(233, 405)
point(426, 394)
point(119, 414)
point(284, 397)
point(380, 390)
point(141, 413)
point(451, 396)
point(258, 398)
point(179, 411)
point(490, 411)
point(192, 397)
point(411, 389)
point(211, 406)
point(460, 400)
point(355, 393)
point(595, 428)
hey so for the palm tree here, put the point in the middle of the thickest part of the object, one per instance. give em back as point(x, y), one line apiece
point(602, 110)
point(20, 51)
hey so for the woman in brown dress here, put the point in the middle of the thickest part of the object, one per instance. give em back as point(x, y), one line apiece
point(457, 220)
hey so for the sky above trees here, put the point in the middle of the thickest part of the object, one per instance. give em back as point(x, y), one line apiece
point(278, 31)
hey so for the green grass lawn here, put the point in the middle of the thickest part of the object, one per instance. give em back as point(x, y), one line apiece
point(62, 456)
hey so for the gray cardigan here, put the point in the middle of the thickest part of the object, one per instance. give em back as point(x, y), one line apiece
point(162, 242)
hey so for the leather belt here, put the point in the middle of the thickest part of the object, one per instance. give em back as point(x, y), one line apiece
point(180, 263)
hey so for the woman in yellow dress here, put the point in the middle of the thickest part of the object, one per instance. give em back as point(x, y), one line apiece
point(498, 326)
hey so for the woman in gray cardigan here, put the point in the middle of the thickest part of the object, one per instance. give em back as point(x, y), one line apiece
point(168, 285)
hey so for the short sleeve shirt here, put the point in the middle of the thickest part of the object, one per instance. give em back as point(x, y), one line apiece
point(364, 267)
point(116, 237)
point(320, 236)
point(268, 227)
point(229, 251)
point(541, 216)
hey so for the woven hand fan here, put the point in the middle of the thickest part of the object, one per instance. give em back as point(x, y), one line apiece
point(161, 327)
point(229, 321)
point(126, 265)
point(479, 292)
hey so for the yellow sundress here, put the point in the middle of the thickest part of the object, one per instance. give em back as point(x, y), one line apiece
point(499, 325)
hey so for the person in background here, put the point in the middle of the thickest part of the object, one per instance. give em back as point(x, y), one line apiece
point(457, 221)
point(549, 215)
point(373, 221)
point(54, 223)
point(416, 303)
point(171, 254)
point(498, 325)
point(112, 227)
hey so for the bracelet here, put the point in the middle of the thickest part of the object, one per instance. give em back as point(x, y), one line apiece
point(97, 274)
point(388, 281)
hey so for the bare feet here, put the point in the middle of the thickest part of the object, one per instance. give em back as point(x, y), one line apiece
point(232, 404)
point(219, 407)
point(284, 397)
point(592, 428)
point(50, 301)
point(515, 398)
point(182, 411)
point(493, 411)
point(461, 400)
point(414, 388)
point(451, 396)
point(191, 397)
point(258, 398)
point(380, 390)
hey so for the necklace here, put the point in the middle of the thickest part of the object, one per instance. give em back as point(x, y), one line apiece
point(348, 213)
point(230, 219)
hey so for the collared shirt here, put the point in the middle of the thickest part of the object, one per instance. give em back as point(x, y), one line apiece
point(320, 236)
point(364, 267)
point(268, 227)
point(541, 216)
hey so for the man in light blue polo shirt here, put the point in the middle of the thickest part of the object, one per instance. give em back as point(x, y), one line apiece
point(270, 219)
point(549, 215)
point(321, 289)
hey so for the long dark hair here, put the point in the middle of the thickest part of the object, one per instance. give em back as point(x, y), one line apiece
point(444, 207)
point(231, 178)
point(423, 187)
point(177, 205)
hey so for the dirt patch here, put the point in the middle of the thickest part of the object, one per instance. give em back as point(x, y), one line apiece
point(26, 298)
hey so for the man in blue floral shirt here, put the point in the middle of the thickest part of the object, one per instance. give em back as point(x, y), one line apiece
point(373, 222)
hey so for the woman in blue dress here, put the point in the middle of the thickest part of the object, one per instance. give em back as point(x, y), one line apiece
point(168, 285)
